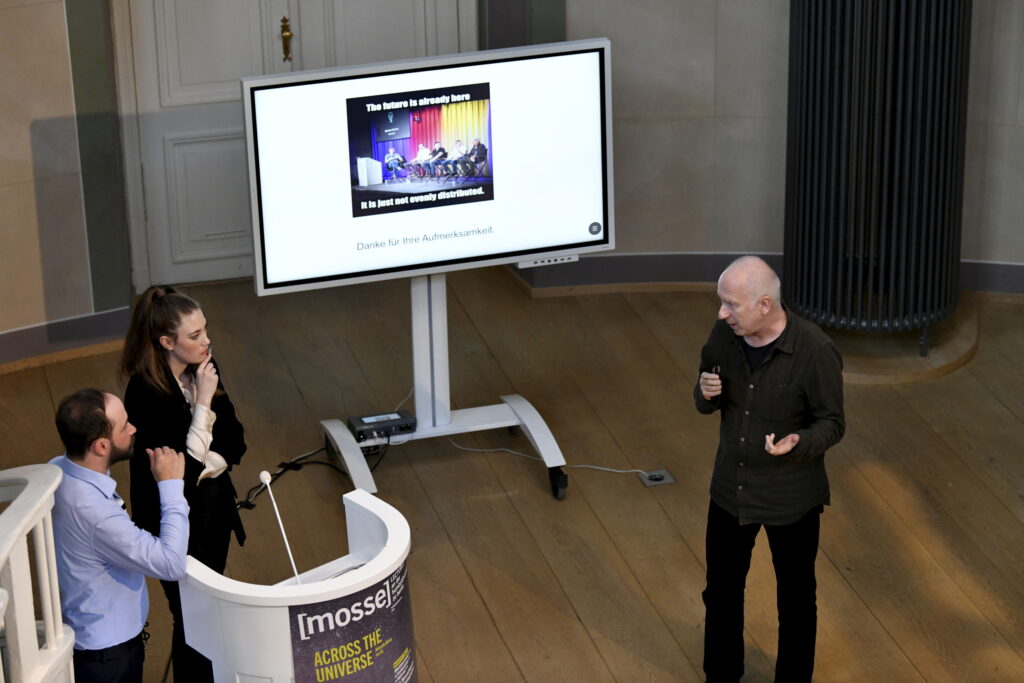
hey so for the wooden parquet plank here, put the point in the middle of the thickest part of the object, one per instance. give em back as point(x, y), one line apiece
point(1002, 321)
point(27, 432)
point(680, 321)
point(529, 610)
point(681, 324)
point(537, 346)
point(570, 536)
point(996, 364)
point(457, 638)
point(982, 434)
point(920, 548)
point(701, 435)
point(983, 486)
point(921, 556)
point(326, 379)
point(277, 428)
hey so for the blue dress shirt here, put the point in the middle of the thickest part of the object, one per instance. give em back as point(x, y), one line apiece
point(103, 558)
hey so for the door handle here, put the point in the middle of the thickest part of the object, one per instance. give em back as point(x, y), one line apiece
point(286, 39)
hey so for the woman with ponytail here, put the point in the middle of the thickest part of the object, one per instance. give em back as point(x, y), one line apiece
point(175, 398)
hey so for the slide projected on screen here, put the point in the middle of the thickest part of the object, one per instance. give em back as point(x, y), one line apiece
point(432, 165)
point(459, 165)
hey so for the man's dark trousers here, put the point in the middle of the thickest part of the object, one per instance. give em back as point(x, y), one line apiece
point(117, 664)
point(728, 549)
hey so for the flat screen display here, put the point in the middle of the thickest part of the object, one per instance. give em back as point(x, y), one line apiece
point(425, 166)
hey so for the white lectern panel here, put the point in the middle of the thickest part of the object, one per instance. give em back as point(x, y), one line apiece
point(349, 619)
point(369, 171)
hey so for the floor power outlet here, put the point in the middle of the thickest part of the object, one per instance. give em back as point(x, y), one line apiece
point(656, 478)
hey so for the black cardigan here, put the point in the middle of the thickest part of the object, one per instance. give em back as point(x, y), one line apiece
point(163, 419)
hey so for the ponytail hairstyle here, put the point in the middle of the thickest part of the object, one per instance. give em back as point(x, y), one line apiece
point(157, 313)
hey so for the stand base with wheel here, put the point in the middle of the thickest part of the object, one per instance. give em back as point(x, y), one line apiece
point(434, 416)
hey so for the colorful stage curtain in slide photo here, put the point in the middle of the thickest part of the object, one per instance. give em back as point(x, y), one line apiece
point(465, 121)
point(445, 123)
point(425, 127)
point(403, 147)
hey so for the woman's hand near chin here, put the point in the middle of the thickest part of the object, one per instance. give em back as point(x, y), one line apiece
point(206, 382)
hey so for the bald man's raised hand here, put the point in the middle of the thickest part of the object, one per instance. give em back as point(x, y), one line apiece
point(783, 446)
point(710, 385)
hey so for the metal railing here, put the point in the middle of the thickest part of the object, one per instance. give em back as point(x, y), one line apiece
point(32, 650)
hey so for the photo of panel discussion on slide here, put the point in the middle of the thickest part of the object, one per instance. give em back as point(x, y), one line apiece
point(429, 141)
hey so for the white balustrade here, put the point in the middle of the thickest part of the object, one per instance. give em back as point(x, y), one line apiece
point(32, 650)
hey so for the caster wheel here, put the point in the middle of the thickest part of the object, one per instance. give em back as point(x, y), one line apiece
point(559, 482)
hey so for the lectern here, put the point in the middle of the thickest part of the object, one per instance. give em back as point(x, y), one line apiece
point(349, 619)
point(369, 171)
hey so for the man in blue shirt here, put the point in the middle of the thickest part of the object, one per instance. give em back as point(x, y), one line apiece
point(394, 161)
point(102, 557)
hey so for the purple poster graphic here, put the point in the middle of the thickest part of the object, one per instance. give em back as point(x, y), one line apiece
point(360, 638)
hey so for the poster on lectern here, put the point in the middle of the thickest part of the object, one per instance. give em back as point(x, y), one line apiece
point(363, 637)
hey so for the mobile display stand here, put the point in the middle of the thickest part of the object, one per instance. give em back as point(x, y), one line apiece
point(434, 416)
point(249, 631)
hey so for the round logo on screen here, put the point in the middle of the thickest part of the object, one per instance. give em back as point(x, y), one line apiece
point(595, 228)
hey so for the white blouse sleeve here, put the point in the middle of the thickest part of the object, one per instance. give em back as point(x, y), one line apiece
point(200, 436)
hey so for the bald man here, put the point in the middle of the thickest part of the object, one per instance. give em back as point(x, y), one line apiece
point(777, 381)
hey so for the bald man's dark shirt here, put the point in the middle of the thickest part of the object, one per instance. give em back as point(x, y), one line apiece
point(797, 388)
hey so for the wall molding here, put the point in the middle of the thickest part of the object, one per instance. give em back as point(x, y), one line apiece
point(131, 142)
point(991, 276)
point(191, 239)
point(612, 269)
point(181, 89)
point(59, 336)
point(607, 269)
point(107, 328)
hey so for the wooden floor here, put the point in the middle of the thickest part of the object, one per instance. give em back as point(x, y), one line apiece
point(922, 552)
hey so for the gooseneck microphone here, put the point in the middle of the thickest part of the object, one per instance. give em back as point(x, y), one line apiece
point(265, 478)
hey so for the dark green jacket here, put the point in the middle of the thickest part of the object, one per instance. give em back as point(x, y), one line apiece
point(797, 388)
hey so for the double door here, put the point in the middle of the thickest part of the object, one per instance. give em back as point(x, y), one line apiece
point(187, 175)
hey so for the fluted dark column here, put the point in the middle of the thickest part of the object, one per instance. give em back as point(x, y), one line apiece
point(875, 157)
